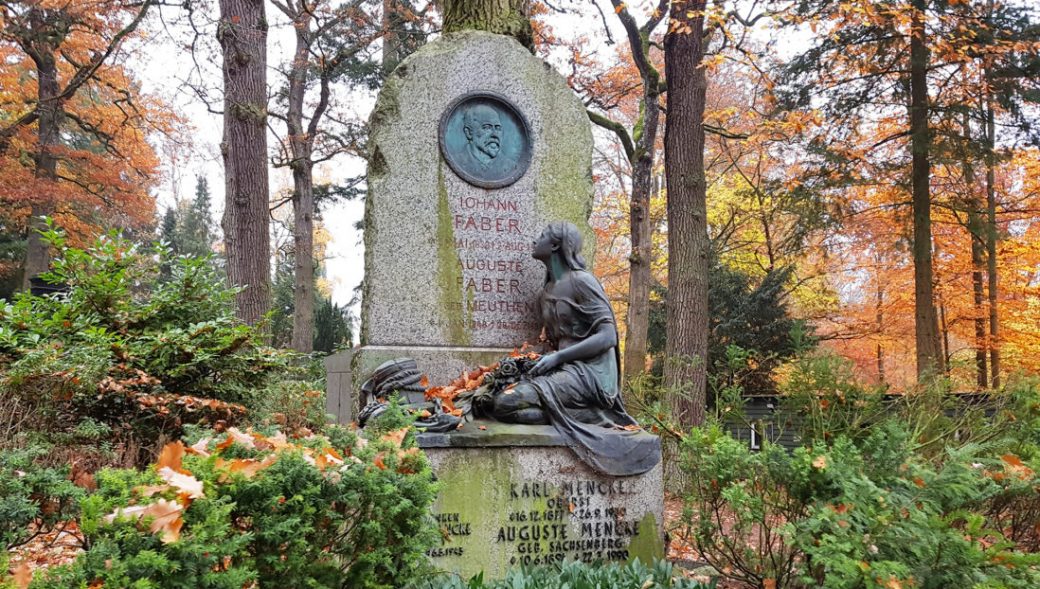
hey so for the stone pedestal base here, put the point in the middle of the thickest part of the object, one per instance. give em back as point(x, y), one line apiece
point(516, 495)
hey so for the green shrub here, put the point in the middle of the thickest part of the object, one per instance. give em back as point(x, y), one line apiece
point(846, 515)
point(246, 508)
point(142, 343)
point(32, 494)
point(575, 575)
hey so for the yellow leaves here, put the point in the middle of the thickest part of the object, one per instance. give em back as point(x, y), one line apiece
point(895, 583)
point(820, 462)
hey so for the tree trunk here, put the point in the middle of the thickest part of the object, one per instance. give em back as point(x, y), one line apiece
point(879, 318)
point(242, 33)
point(641, 229)
point(688, 244)
point(637, 323)
point(37, 254)
point(392, 45)
point(976, 234)
point(991, 248)
point(301, 143)
point(929, 351)
point(977, 268)
point(505, 17)
point(303, 276)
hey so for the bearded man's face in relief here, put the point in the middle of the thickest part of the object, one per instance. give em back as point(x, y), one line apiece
point(483, 129)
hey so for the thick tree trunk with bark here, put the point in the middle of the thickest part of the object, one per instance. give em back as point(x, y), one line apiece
point(303, 252)
point(688, 244)
point(37, 255)
point(301, 145)
point(242, 33)
point(929, 349)
point(505, 17)
point(637, 322)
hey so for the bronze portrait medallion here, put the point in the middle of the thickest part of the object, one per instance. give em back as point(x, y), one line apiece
point(485, 140)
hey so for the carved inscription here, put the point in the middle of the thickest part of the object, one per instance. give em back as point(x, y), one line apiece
point(494, 254)
point(573, 520)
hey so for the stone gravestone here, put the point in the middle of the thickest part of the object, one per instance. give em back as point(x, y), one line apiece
point(449, 280)
point(475, 146)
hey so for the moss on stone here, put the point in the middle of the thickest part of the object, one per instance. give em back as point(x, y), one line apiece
point(449, 269)
point(648, 544)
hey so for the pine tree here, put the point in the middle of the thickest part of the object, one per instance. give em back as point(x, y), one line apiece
point(196, 226)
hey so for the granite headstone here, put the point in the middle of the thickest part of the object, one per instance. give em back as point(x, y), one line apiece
point(449, 280)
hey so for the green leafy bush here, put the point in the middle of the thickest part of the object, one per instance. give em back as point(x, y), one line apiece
point(32, 494)
point(868, 514)
point(239, 509)
point(141, 343)
point(575, 575)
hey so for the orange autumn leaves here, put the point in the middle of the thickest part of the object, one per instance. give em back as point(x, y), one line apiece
point(470, 380)
point(160, 508)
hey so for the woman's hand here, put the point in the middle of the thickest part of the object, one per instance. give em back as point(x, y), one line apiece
point(546, 364)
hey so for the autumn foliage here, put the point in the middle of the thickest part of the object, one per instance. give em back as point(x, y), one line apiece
point(94, 164)
point(245, 509)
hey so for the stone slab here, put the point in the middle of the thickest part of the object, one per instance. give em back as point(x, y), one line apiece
point(448, 263)
point(339, 389)
point(506, 506)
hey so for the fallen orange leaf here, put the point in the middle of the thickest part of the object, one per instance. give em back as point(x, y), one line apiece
point(171, 457)
point(396, 436)
point(22, 576)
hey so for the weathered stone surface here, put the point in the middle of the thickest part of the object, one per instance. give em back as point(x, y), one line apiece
point(447, 263)
point(339, 397)
point(505, 505)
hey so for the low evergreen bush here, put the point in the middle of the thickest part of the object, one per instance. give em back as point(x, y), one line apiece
point(844, 514)
point(244, 509)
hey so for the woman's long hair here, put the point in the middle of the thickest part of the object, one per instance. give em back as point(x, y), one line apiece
point(566, 235)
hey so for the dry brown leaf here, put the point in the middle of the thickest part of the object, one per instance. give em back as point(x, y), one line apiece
point(396, 436)
point(150, 490)
point(768, 583)
point(171, 457)
point(424, 382)
point(241, 437)
point(247, 467)
point(22, 576)
point(185, 483)
point(165, 517)
point(199, 447)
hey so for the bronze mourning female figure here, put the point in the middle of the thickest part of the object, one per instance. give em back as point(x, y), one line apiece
point(575, 388)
